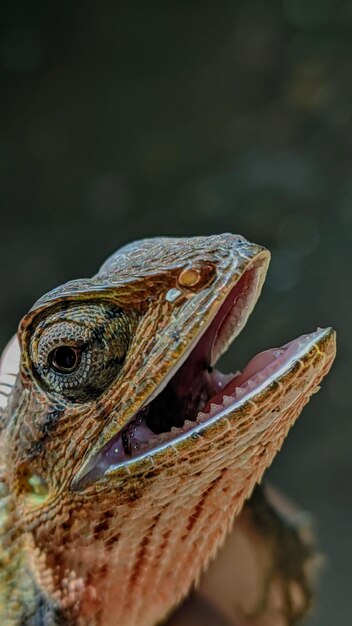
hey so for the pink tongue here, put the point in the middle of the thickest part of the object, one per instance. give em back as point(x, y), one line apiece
point(255, 365)
point(219, 380)
point(261, 367)
point(259, 362)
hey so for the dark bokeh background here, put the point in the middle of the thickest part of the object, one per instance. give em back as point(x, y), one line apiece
point(124, 120)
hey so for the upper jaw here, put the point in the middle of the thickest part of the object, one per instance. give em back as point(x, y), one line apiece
point(250, 268)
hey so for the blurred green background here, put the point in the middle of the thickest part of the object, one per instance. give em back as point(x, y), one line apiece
point(125, 120)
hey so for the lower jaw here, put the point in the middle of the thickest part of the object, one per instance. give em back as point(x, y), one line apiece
point(224, 395)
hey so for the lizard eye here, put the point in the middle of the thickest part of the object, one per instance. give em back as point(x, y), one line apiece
point(64, 359)
point(77, 354)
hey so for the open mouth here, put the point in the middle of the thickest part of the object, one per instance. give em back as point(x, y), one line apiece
point(197, 393)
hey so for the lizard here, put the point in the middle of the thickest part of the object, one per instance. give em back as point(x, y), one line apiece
point(125, 454)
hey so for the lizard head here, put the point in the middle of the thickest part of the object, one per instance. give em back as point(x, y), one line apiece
point(118, 417)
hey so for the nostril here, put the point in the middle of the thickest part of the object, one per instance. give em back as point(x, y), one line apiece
point(189, 277)
point(197, 277)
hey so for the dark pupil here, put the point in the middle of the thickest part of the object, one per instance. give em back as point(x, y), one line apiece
point(64, 359)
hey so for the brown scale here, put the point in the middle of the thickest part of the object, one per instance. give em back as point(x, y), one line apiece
point(123, 547)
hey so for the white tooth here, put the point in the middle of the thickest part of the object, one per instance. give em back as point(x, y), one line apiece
point(214, 408)
point(227, 400)
point(239, 391)
point(202, 416)
point(174, 429)
point(261, 377)
point(188, 424)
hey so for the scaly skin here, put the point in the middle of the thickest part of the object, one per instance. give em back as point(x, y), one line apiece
point(125, 547)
